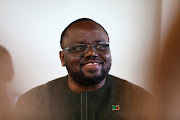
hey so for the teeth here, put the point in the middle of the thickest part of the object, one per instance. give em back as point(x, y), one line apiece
point(92, 63)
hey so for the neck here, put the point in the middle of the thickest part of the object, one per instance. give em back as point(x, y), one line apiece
point(77, 88)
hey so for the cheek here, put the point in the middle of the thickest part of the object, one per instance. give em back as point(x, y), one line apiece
point(72, 62)
point(107, 58)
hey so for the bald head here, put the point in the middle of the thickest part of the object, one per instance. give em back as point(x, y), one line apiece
point(83, 23)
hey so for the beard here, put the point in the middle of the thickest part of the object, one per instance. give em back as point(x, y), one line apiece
point(80, 78)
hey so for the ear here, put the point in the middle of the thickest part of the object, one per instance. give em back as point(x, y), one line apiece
point(61, 55)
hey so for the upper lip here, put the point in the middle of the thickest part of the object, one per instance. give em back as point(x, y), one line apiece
point(91, 61)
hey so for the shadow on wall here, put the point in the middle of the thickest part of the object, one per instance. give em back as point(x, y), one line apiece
point(168, 80)
point(7, 99)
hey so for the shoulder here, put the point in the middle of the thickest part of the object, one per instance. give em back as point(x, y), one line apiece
point(37, 99)
point(133, 99)
point(47, 86)
point(127, 87)
point(42, 90)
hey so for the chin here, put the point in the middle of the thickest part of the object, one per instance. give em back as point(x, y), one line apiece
point(89, 79)
point(92, 75)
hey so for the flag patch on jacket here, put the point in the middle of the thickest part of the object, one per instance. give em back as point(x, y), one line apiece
point(115, 107)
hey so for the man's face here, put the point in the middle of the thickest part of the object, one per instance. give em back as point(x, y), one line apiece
point(91, 68)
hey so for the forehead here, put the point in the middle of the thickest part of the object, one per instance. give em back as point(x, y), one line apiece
point(85, 31)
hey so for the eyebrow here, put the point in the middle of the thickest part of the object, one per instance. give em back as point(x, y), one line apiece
point(99, 40)
point(96, 41)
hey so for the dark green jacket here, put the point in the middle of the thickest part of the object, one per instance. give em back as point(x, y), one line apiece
point(55, 101)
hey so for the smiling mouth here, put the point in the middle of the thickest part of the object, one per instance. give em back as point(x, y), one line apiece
point(92, 66)
point(92, 63)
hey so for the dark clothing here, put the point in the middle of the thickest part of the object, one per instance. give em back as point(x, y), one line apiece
point(55, 101)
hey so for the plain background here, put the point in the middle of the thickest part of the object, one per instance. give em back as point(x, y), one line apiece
point(30, 30)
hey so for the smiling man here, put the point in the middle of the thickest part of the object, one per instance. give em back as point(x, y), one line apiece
point(88, 92)
point(86, 55)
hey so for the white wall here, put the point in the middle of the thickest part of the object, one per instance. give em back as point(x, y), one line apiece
point(30, 30)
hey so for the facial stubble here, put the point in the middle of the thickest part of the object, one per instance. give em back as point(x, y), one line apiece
point(82, 79)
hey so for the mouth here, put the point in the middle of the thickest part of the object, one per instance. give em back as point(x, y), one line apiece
point(91, 62)
point(92, 65)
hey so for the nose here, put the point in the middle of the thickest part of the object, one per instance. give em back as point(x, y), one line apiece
point(90, 52)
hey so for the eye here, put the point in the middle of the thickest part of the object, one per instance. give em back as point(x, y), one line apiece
point(101, 46)
point(77, 48)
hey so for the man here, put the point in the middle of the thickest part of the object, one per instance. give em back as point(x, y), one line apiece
point(88, 92)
